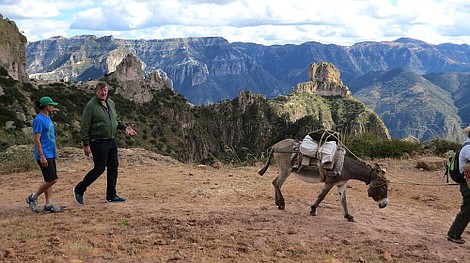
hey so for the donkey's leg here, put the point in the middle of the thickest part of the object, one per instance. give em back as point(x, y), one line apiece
point(277, 183)
point(342, 199)
point(324, 191)
point(284, 165)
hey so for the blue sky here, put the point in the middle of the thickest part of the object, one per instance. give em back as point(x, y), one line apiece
point(268, 22)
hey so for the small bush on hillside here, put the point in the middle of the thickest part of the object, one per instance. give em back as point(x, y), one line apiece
point(439, 147)
point(369, 145)
point(18, 158)
point(8, 139)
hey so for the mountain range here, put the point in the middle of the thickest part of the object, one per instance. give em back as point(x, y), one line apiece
point(234, 130)
point(210, 69)
point(417, 88)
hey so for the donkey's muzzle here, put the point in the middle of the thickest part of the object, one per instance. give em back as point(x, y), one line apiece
point(383, 203)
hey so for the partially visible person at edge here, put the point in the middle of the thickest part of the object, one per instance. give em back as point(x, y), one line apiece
point(463, 216)
point(99, 126)
point(45, 155)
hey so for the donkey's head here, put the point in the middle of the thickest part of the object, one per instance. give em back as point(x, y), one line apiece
point(378, 186)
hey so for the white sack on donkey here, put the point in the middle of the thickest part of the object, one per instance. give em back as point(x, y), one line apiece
point(326, 152)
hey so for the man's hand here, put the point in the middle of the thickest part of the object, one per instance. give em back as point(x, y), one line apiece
point(43, 161)
point(130, 130)
point(87, 150)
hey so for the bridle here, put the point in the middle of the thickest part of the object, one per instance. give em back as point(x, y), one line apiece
point(378, 185)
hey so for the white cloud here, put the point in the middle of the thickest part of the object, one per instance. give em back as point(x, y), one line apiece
point(261, 21)
point(28, 9)
point(38, 29)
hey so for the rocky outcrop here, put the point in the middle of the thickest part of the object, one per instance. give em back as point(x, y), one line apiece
point(130, 69)
point(130, 77)
point(324, 72)
point(324, 80)
point(12, 50)
point(159, 79)
point(131, 83)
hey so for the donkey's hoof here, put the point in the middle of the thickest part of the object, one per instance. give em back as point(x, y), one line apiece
point(350, 218)
point(313, 213)
point(281, 207)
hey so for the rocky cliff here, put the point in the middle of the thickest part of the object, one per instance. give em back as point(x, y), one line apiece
point(130, 81)
point(12, 50)
point(79, 58)
point(324, 80)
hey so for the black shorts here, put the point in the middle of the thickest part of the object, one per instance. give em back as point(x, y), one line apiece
point(50, 172)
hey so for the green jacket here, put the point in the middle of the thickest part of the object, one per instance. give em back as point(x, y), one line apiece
point(98, 123)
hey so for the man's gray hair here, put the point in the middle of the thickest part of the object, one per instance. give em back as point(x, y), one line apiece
point(101, 85)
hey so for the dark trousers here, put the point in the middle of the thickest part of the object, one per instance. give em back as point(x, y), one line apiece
point(105, 155)
point(463, 217)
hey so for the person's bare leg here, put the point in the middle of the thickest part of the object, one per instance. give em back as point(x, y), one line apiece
point(43, 188)
point(48, 195)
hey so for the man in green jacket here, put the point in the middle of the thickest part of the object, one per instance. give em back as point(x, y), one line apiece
point(99, 126)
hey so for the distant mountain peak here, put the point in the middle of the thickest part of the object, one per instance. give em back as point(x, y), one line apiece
point(407, 40)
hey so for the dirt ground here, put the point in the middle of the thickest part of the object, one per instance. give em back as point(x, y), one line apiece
point(189, 213)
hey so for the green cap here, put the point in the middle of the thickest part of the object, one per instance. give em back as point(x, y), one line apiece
point(47, 101)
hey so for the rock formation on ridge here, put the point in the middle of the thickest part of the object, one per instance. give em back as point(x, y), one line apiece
point(324, 80)
point(131, 83)
point(12, 50)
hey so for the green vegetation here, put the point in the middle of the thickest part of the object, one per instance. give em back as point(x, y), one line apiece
point(440, 147)
point(17, 159)
point(123, 223)
point(369, 145)
point(237, 131)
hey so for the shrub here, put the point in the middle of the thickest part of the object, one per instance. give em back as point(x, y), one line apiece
point(18, 158)
point(439, 147)
point(8, 139)
point(369, 145)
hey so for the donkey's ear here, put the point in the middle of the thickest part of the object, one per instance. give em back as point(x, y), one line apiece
point(379, 168)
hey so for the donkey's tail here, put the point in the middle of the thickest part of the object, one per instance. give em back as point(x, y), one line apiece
point(266, 165)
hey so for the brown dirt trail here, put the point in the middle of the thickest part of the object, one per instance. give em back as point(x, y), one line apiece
point(188, 213)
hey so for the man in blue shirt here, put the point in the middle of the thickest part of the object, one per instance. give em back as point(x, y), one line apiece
point(45, 155)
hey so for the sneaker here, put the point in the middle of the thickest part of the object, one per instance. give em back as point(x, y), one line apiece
point(456, 240)
point(33, 203)
point(78, 197)
point(116, 199)
point(53, 209)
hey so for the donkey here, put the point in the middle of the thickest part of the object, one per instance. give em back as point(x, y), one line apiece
point(374, 177)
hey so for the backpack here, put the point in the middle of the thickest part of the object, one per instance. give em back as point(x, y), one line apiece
point(453, 168)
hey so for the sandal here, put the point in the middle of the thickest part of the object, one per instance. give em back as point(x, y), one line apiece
point(456, 240)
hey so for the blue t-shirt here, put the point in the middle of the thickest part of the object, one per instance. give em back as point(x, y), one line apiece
point(43, 124)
